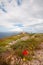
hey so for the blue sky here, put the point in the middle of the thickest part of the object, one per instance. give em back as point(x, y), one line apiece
point(21, 15)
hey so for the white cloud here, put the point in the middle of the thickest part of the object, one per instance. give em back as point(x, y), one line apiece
point(28, 14)
point(17, 29)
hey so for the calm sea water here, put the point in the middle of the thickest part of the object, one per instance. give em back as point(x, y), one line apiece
point(4, 34)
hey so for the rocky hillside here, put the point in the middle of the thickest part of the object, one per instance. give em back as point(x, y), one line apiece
point(22, 49)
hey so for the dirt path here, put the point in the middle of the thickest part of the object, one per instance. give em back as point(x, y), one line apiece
point(13, 42)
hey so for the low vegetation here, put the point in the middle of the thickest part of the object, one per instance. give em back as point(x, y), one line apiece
point(31, 44)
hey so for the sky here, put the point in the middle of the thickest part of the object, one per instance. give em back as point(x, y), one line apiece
point(21, 15)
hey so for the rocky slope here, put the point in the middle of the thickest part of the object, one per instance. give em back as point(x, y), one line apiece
point(9, 58)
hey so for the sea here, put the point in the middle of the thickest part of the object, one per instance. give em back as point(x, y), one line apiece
point(6, 34)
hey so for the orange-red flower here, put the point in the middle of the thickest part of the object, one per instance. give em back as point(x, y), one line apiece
point(25, 52)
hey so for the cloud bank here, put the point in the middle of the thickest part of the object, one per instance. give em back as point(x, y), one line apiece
point(21, 15)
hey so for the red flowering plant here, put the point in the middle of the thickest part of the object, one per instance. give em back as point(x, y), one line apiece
point(25, 54)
